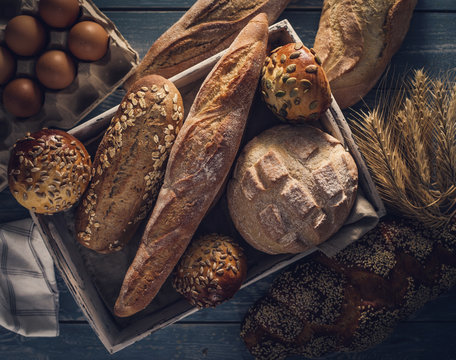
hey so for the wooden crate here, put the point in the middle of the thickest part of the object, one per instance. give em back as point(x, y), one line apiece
point(95, 279)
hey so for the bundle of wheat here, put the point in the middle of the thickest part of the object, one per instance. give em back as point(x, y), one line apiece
point(409, 144)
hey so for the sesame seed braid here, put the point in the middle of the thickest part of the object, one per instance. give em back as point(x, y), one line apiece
point(354, 300)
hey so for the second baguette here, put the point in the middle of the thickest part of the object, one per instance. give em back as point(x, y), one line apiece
point(207, 28)
point(199, 163)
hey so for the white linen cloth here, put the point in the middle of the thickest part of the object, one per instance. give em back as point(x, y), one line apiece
point(29, 300)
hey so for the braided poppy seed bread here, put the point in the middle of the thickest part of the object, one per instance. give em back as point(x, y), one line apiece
point(292, 188)
point(129, 164)
point(353, 301)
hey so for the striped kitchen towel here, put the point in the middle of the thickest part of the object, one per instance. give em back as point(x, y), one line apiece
point(29, 298)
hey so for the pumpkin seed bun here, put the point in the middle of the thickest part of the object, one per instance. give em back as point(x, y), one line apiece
point(294, 85)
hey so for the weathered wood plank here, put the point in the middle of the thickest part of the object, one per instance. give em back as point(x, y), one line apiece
point(417, 341)
point(422, 5)
point(10, 209)
point(439, 310)
point(429, 42)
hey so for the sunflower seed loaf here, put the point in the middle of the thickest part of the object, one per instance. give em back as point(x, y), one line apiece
point(129, 164)
point(207, 28)
point(198, 165)
point(356, 39)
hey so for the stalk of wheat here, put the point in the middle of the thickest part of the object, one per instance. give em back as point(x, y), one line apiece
point(409, 144)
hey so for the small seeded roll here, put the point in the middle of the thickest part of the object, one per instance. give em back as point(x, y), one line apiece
point(212, 269)
point(130, 164)
point(292, 188)
point(48, 171)
point(294, 85)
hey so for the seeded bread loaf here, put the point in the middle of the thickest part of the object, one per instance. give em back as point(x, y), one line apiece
point(352, 301)
point(129, 164)
point(211, 271)
point(294, 85)
point(292, 188)
point(199, 163)
point(207, 28)
point(48, 171)
point(356, 39)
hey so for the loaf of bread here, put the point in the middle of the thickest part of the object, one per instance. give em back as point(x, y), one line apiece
point(198, 165)
point(356, 40)
point(292, 188)
point(354, 300)
point(48, 171)
point(211, 270)
point(129, 164)
point(207, 28)
point(294, 85)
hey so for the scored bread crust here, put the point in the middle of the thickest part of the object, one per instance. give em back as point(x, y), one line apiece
point(198, 165)
point(356, 40)
point(292, 188)
point(207, 28)
point(129, 164)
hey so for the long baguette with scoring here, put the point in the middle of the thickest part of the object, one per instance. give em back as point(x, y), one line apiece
point(207, 28)
point(199, 163)
point(129, 164)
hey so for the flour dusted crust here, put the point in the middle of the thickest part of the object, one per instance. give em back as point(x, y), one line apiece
point(356, 40)
point(293, 187)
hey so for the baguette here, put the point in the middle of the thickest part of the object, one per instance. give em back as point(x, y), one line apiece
point(207, 28)
point(356, 40)
point(129, 165)
point(199, 163)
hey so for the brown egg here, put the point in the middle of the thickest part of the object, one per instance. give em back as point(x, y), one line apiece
point(55, 69)
point(59, 13)
point(7, 65)
point(88, 41)
point(48, 171)
point(25, 35)
point(22, 97)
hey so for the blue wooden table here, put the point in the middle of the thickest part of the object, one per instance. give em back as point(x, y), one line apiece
point(214, 333)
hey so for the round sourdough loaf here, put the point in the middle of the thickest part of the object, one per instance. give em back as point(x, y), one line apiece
point(292, 188)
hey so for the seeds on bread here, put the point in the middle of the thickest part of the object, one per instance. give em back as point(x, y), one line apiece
point(129, 164)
